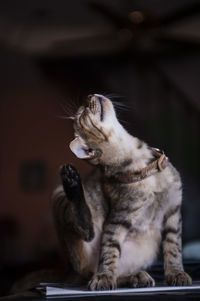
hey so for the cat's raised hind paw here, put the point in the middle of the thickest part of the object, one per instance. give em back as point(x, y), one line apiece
point(71, 182)
point(82, 223)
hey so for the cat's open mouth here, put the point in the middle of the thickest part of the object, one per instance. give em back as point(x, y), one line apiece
point(102, 109)
point(96, 105)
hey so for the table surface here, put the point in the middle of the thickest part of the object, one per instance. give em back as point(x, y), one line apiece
point(181, 295)
point(192, 267)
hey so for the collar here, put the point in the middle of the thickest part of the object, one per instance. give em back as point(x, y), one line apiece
point(158, 165)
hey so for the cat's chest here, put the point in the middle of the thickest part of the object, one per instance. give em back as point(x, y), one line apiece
point(143, 246)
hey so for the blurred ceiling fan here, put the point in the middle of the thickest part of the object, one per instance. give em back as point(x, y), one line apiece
point(118, 32)
point(140, 30)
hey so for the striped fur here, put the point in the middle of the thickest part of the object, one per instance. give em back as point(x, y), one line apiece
point(110, 230)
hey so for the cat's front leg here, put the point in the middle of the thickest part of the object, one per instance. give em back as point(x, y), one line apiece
point(116, 228)
point(102, 281)
point(172, 249)
point(106, 277)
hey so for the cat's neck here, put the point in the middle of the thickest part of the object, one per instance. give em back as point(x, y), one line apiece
point(128, 153)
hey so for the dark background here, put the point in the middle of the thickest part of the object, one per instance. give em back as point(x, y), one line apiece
point(145, 54)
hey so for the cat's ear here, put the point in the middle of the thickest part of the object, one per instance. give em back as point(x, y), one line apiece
point(79, 148)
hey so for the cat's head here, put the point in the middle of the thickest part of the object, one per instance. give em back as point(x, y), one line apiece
point(97, 130)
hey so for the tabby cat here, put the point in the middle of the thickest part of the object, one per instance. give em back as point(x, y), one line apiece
point(112, 225)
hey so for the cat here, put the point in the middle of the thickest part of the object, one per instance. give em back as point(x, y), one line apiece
point(112, 225)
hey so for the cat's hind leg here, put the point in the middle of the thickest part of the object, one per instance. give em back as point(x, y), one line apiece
point(73, 219)
point(76, 213)
point(140, 279)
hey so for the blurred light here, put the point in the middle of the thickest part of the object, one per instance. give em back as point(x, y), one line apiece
point(136, 17)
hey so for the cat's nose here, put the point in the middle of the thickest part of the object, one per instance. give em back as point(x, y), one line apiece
point(90, 96)
point(99, 97)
